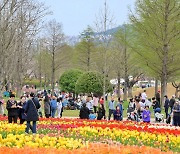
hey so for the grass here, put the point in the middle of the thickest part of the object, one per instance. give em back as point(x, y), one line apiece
point(75, 113)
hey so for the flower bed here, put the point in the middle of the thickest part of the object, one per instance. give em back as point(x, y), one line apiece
point(84, 136)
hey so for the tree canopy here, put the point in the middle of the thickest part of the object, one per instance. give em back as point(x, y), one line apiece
point(92, 82)
point(68, 80)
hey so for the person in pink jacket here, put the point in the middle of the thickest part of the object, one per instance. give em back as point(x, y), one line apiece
point(95, 103)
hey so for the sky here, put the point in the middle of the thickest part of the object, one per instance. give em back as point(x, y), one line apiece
point(76, 15)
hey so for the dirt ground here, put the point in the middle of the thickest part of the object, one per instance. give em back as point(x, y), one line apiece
point(150, 91)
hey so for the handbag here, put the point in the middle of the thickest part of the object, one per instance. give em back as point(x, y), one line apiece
point(35, 107)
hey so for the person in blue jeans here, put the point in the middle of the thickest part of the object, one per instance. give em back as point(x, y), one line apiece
point(31, 113)
point(53, 104)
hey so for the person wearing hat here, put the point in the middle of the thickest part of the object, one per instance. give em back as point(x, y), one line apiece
point(12, 109)
point(166, 105)
point(176, 113)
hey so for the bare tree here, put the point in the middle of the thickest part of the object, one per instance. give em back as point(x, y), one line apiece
point(55, 43)
point(103, 22)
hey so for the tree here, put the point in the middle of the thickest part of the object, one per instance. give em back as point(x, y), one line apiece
point(20, 23)
point(157, 33)
point(55, 43)
point(68, 80)
point(124, 60)
point(85, 49)
point(103, 22)
point(177, 86)
point(91, 82)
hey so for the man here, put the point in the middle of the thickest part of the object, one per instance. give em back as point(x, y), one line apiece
point(144, 96)
point(166, 105)
point(171, 103)
point(111, 106)
point(31, 108)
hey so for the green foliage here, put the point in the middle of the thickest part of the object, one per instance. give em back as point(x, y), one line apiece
point(33, 82)
point(92, 82)
point(157, 37)
point(68, 80)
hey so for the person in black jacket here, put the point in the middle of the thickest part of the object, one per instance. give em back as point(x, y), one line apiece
point(166, 105)
point(84, 112)
point(101, 112)
point(21, 106)
point(12, 108)
point(31, 112)
point(171, 103)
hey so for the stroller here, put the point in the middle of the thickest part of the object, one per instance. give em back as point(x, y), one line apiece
point(158, 116)
point(132, 115)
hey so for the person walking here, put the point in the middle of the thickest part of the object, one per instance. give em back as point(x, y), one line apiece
point(166, 105)
point(12, 108)
point(53, 104)
point(111, 106)
point(31, 111)
point(46, 106)
point(176, 113)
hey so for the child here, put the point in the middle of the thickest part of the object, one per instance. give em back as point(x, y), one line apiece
point(92, 116)
point(117, 114)
point(146, 115)
point(40, 109)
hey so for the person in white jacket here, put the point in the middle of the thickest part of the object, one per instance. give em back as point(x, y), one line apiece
point(59, 107)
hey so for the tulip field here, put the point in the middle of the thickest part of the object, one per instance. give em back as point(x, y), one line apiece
point(87, 137)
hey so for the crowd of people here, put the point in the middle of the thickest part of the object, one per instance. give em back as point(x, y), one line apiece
point(138, 109)
point(31, 106)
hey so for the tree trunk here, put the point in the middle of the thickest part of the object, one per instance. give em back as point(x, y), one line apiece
point(119, 84)
point(19, 84)
point(156, 87)
point(130, 92)
point(125, 90)
point(53, 73)
point(163, 91)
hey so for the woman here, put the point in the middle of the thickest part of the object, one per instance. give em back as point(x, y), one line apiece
point(46, 106)
point(101, 112)
point(21, 106)
point(12, 108)
point(95, 103)
point(146, 116)
point(31, 110)
point(176, 113)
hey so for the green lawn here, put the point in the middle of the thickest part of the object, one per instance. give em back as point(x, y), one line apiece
point(75, 113)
